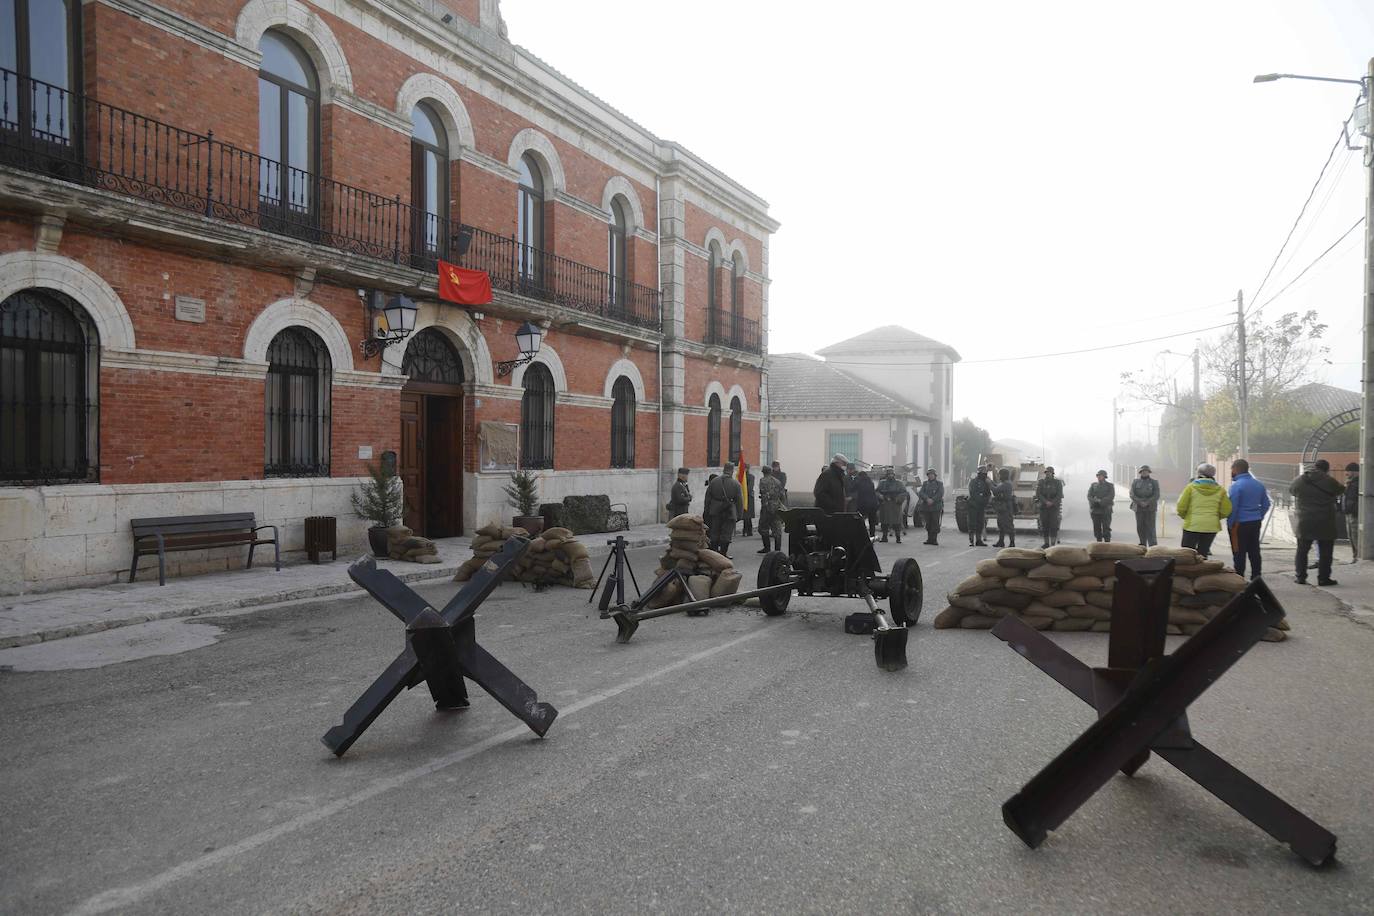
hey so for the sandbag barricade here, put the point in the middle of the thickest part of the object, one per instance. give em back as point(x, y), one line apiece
point(556, 557)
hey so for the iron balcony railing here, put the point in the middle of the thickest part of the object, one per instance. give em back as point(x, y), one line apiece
point(75, 137)
point(726, 329)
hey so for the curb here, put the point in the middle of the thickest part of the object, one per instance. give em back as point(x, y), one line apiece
point(297, 594)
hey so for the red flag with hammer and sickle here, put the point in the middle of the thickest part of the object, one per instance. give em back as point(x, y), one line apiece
point(466, 287)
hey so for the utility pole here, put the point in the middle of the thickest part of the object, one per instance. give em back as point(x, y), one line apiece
point(1114, 438)
point(1242, 374)
point(1367, 376)
point(1196, 437)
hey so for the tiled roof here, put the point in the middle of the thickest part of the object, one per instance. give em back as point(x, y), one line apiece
point(889, 337)
point(1323, 400)
point(803, 386)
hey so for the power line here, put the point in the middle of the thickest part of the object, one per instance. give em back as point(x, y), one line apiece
point(1340, 140)
point(1343, 237)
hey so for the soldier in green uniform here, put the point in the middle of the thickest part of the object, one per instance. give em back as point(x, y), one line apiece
point(1101, 501)
point(930, 502)
point(680, 497)
point(1004, 504)
point(1145, 505)
point(772, 498)
point(892, 494)
point(979, 494)
point(1049, 503)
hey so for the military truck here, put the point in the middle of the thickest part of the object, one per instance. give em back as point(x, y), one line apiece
point(1025, 472)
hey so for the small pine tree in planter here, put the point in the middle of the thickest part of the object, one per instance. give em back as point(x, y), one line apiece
point(523, 493)
point(380, 502)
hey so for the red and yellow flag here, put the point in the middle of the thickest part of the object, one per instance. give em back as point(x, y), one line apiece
point(466, 287)
point(742, 475)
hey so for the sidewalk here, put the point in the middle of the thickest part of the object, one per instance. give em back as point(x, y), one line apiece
point(1355, 593)
point(45, 616)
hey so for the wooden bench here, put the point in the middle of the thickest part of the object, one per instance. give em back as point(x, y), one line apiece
point(197, 532)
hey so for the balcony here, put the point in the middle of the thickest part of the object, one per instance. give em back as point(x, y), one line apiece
point(76, 138)
point(726, 329)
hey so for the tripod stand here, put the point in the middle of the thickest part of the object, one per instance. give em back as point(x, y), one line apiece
point(616, 580)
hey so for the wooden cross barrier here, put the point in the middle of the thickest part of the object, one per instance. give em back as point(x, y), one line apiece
point(1142, 698)
point(441, 649)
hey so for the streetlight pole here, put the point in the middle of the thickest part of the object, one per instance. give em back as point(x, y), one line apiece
point(1197, 408)
point(1366, 84)
point(1242, 373)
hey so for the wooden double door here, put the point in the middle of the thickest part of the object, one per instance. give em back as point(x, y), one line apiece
point(431, 460)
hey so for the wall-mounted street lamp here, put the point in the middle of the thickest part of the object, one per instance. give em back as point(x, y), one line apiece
point(387, 323)
point(527, 339)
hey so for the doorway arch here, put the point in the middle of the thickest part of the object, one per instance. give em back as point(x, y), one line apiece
point(432, 440)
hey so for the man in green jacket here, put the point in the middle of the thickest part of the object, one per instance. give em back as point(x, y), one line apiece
point(1316, 492)
point(1101, 501)
point(1202, 505)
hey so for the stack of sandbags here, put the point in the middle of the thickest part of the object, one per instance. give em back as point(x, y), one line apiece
point(409, 547)
point(556, 557)
point(709, 574)
point(1069, 588)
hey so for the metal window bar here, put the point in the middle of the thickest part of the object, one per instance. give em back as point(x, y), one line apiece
point(75, 137)
point(713, 433)
point(623, 425)
point(736, 429)
point(536, 419)
point(298, 394)
point(727, 329)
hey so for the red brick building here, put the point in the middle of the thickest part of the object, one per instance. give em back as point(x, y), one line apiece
point(200, 198)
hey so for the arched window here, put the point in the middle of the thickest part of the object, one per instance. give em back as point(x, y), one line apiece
point(49, 385)
point(298, 382)
point(736, 428)
point(431, 358)
point(288, 131)
point(39, 42)
point(536, 418)
point(615, 257)
point(713, 431)
point(529, 220)
point(623, 424)
point(717, 322)
point(736, 284)
point(428, 186)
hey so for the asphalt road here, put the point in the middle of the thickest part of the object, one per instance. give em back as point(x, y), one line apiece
point(728, 763)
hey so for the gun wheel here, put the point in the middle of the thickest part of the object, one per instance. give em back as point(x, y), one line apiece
point(775, 569)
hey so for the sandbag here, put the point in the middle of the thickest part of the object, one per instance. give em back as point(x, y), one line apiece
point(480, 540)
point(1182, 585)
point(678, 553)
point(671, 594)
point(1180, 555)
point(492, 530)
point(978, 622)
point(995, 610)
point(1181, 615)
point(973, 603)
point(582, 575)
point(973, 585)
point(1064, 598)
point(1084, 584)
point(717, 561)
point(468, 568)
point(1273, 635)
point(1051, 572)
point(1105, 626)
point(727, 583)
point(1041, 609)
point(692, 566)
point(1099, 599)
point(699, 586)
point(558, 532)
point(1072, 625)
point(1220, 582)
point(1201, 568)
point(1064, 555)
point(1006, 598)
point(513, 532)
point(1021, 557)
point(1115, 550)
point(991, 569)
point(1099, 568)
point(1027, 586)
point(575, 550)
point(1088, 612)
point(687, 523)
point(1038, 623)
point(1205, 599)
point(949, 618)
point(553, 543)
point(538, 545)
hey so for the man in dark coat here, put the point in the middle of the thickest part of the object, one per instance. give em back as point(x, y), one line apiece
point(979, 495)
point(1049, 502)
point(830, 486)
point(851, 480)
point(1316, 493)
point(772, 500)
point(680, 497)
point(866, 500)
point(1004, 503)
point(1101, 501)
point(892, 493)
point(1350, 505)
point(723, 508)
point(1145, 505)
point(930, 503)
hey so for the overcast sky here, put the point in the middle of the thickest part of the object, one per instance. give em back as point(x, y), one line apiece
point(1012, 178)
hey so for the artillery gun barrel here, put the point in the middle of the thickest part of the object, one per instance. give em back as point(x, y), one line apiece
point(720, 601)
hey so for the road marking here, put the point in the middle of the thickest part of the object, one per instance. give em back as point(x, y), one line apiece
point(123, 897)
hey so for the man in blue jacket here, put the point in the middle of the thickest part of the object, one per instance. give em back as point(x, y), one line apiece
point(1249, 505)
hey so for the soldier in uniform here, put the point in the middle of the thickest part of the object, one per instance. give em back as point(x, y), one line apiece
point(1049, 503)
point(723, 508)
point(979, 493)
point(779, 474)
point(930, 503)
point(772, 498)
point(1145, 505)
point(892, 493)
point(1101, 501)
point(680, 497)
point(1004, 504)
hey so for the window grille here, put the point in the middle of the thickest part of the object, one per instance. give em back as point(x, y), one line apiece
point(536, 418)
point(845, 443)
point(713, 432)
point(623, 424)
point(49, 384)
point(736, 429)
point(431, 358)
point(298, 391)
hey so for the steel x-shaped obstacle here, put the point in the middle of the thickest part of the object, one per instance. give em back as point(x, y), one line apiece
point(441, 649)
point(1142, 698)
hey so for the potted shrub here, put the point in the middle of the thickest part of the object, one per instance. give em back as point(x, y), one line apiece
point(380, 502)
point(523, 493)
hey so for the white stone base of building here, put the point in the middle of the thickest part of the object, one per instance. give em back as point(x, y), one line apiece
point(484, 497)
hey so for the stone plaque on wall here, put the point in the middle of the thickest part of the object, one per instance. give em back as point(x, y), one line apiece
point(188, 309)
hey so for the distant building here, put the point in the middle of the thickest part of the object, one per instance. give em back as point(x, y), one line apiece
point(883, 397)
